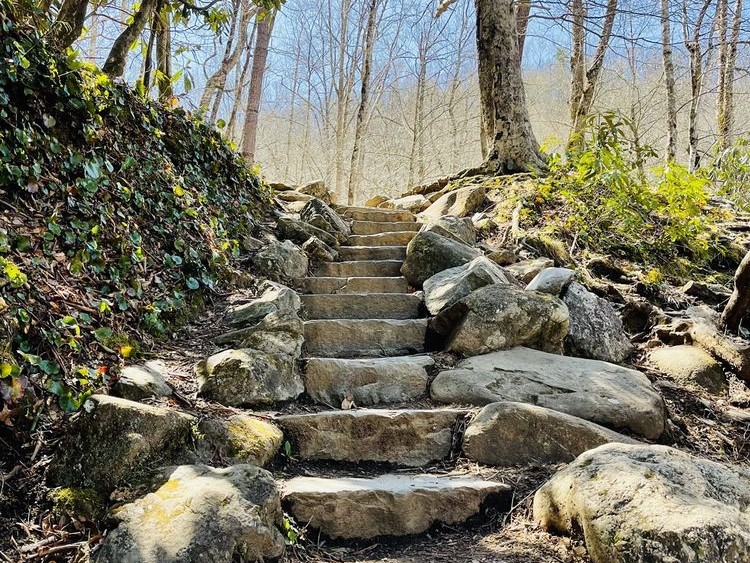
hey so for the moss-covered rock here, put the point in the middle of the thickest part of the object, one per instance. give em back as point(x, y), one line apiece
point(242, 439)
point(79, 502)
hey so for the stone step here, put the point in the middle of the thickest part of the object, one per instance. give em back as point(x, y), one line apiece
point(352, 285)
point(389, 505)
point(360, 269)
point(367, 382)
point(372, 252)
point(352, 338)
point(363, 306)
point(378, 227)
point(377, 215)
point(411, 438)
point(399, 238)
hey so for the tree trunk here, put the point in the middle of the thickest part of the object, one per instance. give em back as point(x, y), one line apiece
point(68, 25)
point(523, 10)
point(693, 46)
point(115, 64)
point(239, 89)
point(726, 70)
point(418, 131)
point(250, 135)
point(486, 71)
point(342, 95)
point(739, 304)
point(669, 80)
point(210, 87)
point(148, 58)
point(577, 58)
point(164, 56)
point(722, 16)
point(354, 176)
point(514, 147)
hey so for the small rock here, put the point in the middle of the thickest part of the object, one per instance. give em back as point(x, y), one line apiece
point(527, 270)
point(252, 244)
point(596, 331)
point(413, 203)
point(450, 286)
point(141, 382)
point(241, 439)
point(316, 249)
point(503, 257)
point(690, 364)
point(710, 293)
point(293, 196)
point(200, 514)
point(649, 503)
point(320, 215)
point(638, 316)
point(376, 201)
point(299, 232)
point(281, 260)
point(273, 297)
point(552, 281)
point(429, 253)
point(521, 434)
point(316, 189)
point(461, 230)
point(459, 203)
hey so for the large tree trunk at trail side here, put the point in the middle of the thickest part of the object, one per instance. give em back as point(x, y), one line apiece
point(486, 87)
point(669, 81)
point(68, 25)
point(739, 304)
point(250, 135)
point(359, 129)
point(514, 147)
point(115, 64)
point(523, 10)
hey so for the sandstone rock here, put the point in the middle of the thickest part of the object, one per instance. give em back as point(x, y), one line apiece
point(367, 382)
point(316, 189)
point(349, 338)
point(450, 286)
point(281, 260)
point(413, 203)
point(498, 317)
point(552, 280)
point(650, 504)
point(320, 215)
point(461, 230)
point(279, 332)
point(459, 203)
point(241, 439)
point(731, 350)
point(690, 364)
point(527, 270)
point(405, 437)
point(503, 257)
point(316, 249)
point(200, 514)
point(376, 201)
point(522, 434)
point(141, 382)
point(273, 297)
point(610, 395)
point(280, 186)
point(389, 505)
point(293, 196)
point(248, 377)
point(299, 232)
point(116, 438)
point(429, 253)
point(596, 331)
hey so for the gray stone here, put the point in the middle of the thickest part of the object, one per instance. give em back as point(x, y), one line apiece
point(337, 338)
point(375, 228)
point(690, 364)
point(141, 382)
point(522, 434)
point(650, 503)
point(367, 382)
point(281, 260)
point(398, 238)
point(273, 297)
point(279, 332)
point(353, 285)
point(429, 253)
point(459, 203)
point(316, 249)
point(239, 439)
point(404, 437)
point(299, 232)
point(450, 286)
point(498, 317)
point(395, 306)
point(461, 230)
point(414, 203)
point(552, 281)
point(596, 331)
point(248, 377)
point(389, 505)
point(200, 514)
point(320, 215)
point(378, 215)
point(316, 188)
point(527, 270)
point(610, 395)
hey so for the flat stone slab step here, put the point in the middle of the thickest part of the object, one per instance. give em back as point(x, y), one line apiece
point(388, 505)
point(360, 269)
point(362, 306)
point(353, 285)
point(377, 227)
point(399, 238)
point(367, 382)
point(348, 253)
point(377, 215)
point(411, 438)
point(353, 338)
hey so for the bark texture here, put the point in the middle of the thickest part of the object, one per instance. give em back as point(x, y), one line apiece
point(669, 80)
point(115, 64)
point(249, 138)
point(68, 25)
point(739, 304)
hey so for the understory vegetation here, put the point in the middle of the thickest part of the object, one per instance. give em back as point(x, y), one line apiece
point(117, 215)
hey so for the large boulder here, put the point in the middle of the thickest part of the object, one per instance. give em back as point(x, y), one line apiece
point(522, 434)
point(450, 286)
point(320, 215)
point(459, 203)
point(596, 331)
point(317, 189)
point(498, 317)
point(651, 504)
point(116, 439)
point(240, 439)
point(273, 297)
point(248, 377)
point(136, 383)
point(200, 514)
point(461, 230)
point(610, 395)
point(690, 364)
point(281, 260)
point(300, 232)
point(429, 253)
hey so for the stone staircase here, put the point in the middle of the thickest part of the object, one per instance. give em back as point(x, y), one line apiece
point(365, 333)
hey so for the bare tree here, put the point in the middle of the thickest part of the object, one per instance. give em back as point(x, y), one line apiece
point(250, 135)
point(726, 71)
point(669, 80)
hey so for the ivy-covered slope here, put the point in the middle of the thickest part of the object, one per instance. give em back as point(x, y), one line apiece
point(116, 214)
